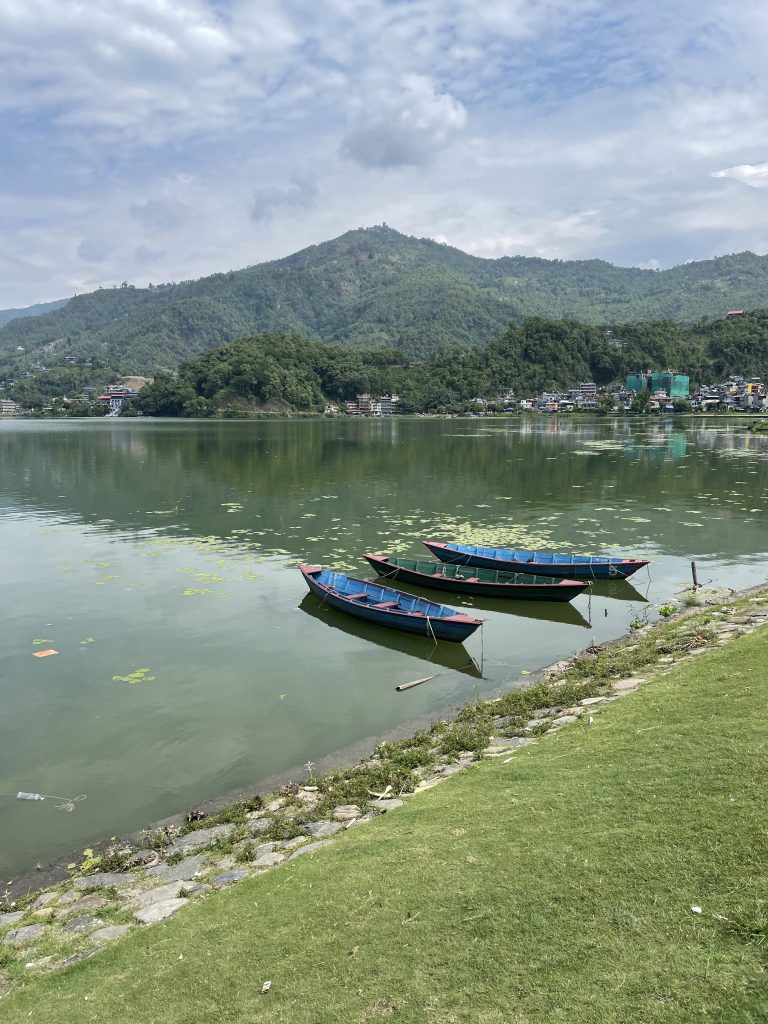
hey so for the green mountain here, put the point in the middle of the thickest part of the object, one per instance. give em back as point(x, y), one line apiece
point(375, 288)
point(6, 315)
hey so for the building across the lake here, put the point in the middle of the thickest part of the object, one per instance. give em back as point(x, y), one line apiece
point(366, 405)
point(673, 385)
point(8, 408)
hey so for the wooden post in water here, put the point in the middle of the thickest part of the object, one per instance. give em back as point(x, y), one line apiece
point(695, 576)
point(414, 682)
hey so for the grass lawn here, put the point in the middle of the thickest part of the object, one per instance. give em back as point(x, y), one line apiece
point(557, 887)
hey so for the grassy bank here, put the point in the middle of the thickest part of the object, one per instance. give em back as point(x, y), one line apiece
point(555, 885)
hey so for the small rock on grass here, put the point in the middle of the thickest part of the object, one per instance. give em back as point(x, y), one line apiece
point(81, 924)
point(93, 902)
point(198, 839)
point(566, 719)
point(158, 911)
point(346, 812)
point(10, 918)
point(365, 818)
point(258, 825)
point(28, 933)
point(386, 804)
point(181, 872)
point(627, 685)
point(110, 933)
point(268, 860)
point(44, 899)
point(156, 895)
point(194, 888)
point(309, 848)
point(103, 879)
point(229, 877)
point(289, 844)
point(322, 828)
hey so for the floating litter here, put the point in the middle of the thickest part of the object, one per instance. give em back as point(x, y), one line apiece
point(44, 654)
point(266, 987)
point(65, 803)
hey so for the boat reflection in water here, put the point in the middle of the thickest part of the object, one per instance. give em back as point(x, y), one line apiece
point(448, 655)
point(618, 590)
point(547, 611)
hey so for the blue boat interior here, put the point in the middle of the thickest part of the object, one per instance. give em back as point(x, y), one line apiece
point(371, 595)
point(539, 557)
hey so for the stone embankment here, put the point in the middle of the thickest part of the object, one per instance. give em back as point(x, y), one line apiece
point(127, 888)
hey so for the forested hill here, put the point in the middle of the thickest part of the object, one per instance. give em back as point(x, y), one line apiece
point(6, 315)
point(374, 288)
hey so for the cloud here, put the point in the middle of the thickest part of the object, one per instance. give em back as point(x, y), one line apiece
point(145, 256)
point(160, 138)
point(160, 215)
point(299, 195)
point(408, 127)
point(94, 250)
point(755, 175)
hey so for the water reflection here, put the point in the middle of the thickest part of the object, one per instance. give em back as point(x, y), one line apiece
point(448, 655)
point(562, 612)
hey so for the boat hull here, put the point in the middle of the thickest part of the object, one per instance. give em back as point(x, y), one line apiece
point(595, 568)
point(509, 589)
point(453, 626)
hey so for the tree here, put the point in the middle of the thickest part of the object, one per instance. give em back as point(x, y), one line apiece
point(165, 396)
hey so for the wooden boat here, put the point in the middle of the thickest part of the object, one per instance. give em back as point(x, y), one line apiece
point(549, 563)
point(478, 582)
point(387, 607)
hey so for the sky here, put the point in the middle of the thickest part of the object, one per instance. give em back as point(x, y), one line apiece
point(162, 140)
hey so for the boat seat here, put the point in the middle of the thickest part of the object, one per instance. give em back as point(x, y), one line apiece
point(356, 597)
point(387, 604)
point(438, 574)
point(472, 579)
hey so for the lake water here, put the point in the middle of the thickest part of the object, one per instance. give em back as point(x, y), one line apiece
point(170, 547)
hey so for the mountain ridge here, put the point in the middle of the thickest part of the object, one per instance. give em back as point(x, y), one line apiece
point(376, 288)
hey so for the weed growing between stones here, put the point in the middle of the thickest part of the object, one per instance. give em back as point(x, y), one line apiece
point(281, 829)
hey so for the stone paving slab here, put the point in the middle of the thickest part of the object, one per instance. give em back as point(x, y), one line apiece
point(110, 933)
point(229, 877)
point(159, 911)
point(184, 871)
point(309, 848)
point(28, 933)
point(322, 828)
point(156, 895)
point(103, 879)
point(200, 838)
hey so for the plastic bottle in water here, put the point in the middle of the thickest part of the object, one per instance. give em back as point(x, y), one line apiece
point(29, 796)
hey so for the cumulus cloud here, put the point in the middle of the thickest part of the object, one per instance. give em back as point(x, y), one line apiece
point(156, 138)
point(407, 127)
point(755, 175)
point(300, 194)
